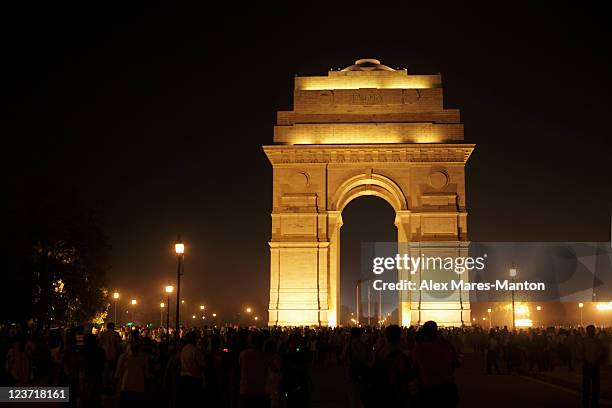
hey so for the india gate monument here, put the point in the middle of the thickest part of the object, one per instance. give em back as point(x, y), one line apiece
point(367, 129)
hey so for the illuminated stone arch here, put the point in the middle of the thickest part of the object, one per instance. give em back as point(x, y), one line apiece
point(369, 184)
point(365, 130)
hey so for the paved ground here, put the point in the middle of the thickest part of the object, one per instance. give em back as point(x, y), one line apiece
point(476, 388)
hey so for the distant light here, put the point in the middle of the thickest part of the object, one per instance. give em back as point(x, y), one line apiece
point(484, 318)
point(249, 310)
point(116, 295)
point(256, 318)
point(203, 317)
point(538, 308)
point(513, 272)
point(523, 323)
point(182, 301)
point(179, 248)
point(604, 306)
point(581, 305)
point(201, 307)
point(162, 305)
point(473, 318)
point(522, 309)
point(169, 289)
point(193, 317)
point(134, 301)
point(214, 315)
point(489, 310)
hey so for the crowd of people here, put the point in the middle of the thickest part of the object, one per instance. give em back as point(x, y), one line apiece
point(232, 366)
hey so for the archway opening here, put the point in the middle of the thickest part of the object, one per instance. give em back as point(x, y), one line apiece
point(366, 219)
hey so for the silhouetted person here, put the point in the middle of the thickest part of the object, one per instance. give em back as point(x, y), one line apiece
point(91, 373)
point(192, 366)
point(593, 354)
point(492, 353)
point(392, 371)
point(435, 361)
point(356, 355)
point(18, 362)
point(295, 373)
point(132, 371)
point(254, 365)
point(110, 341)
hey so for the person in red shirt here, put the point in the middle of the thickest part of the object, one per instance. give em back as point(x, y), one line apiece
point(435, 360)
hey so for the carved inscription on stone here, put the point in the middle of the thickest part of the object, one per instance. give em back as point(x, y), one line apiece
point(300, 225)
point(439, 225)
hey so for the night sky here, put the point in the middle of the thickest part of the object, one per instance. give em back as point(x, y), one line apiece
point(157, 115)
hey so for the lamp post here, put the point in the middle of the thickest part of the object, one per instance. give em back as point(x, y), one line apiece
point(134, 302)
point(539, 308)
point(490, 322)
point(513, 272)
point(169, 290)
point(116, 298)
point(358, 301)
point(161, 314)
point(580, 306)
point(179, 248)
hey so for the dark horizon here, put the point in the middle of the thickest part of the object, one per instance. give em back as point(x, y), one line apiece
point(156, 116)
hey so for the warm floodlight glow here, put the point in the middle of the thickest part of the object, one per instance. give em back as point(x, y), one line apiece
point(179, 248)
point(522, 309)
point(134, 301)
point(169, 289)
point(162, 305)
point(388, 80)
point(604, 306)
point(249, 310)
point(116, 295)
point(581, 305)
point(523, 323)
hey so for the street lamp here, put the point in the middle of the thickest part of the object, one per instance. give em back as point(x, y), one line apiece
point(169, 290)
point(201, 307)
point(490, 322)
point(513, 272)
point(214, 315)
point(161, 314)
point(580, 306)
point(179, 248)
point(249, 310)
point(134, 302)
point(116, 298)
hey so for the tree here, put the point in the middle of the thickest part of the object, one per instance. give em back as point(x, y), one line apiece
point(58, 257)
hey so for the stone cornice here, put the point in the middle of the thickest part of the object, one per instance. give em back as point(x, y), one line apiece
point(370, 153)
